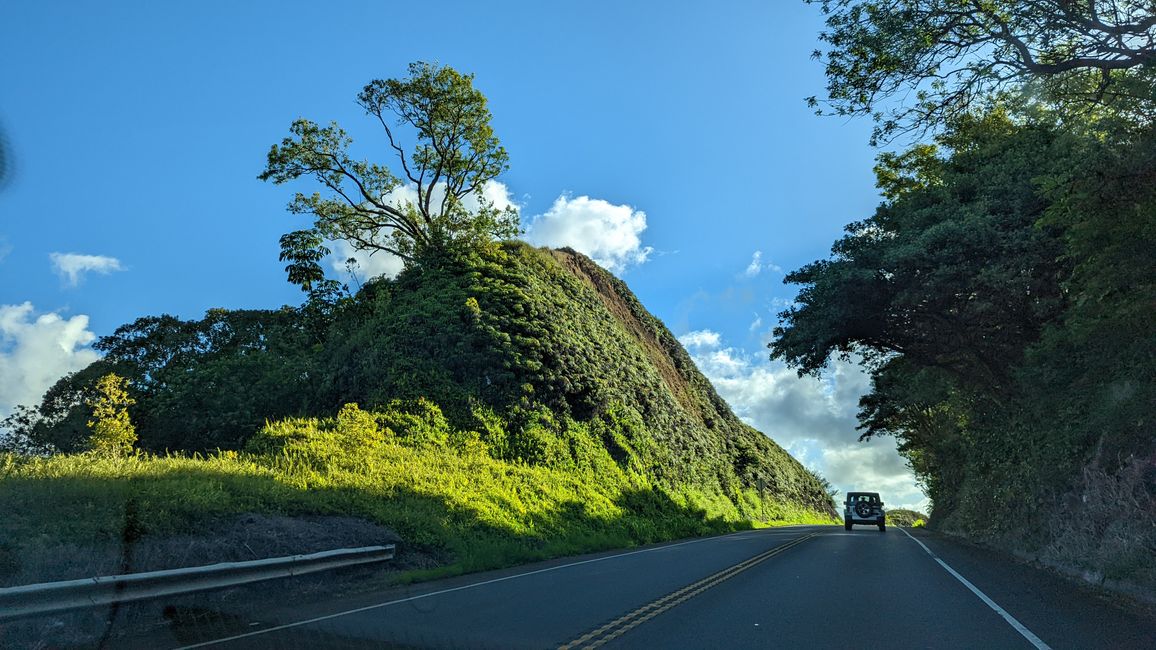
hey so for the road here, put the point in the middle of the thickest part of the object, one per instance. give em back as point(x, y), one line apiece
point(797, 587)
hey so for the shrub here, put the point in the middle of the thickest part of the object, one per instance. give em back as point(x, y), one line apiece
point(277, 438)
point(492, 430)
point(357, 428)
point(535, 437)
point(901, 517)
point(416, 423)
point(113, 434)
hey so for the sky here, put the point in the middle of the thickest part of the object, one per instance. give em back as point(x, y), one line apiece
point(670, 141)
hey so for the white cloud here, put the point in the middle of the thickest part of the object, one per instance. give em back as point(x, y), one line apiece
point(493, 192)
point(497, 194)
point(874, 464)
point(35, 351)
point(756, 323)
point(610, 234)
point(373, 263)
point(756, 265)
point(700, 339)
point(73, 266)
point(370, 264)
point(782, 304)
point(813, 418)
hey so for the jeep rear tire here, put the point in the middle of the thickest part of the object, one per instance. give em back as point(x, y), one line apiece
point(882, 527)
point(846, 525)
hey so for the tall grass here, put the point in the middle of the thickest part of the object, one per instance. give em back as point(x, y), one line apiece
point(478, 511)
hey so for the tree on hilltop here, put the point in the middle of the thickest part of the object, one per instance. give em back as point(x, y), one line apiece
point(455, 154)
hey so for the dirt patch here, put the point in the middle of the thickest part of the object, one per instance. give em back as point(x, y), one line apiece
point(588, 272)
point(251, 536)
point(1109, 531)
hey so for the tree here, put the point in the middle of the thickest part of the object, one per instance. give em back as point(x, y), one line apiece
point(956, 55)
point(455, 155)
point(952, 272)
point(112, 431)
point(210, 383)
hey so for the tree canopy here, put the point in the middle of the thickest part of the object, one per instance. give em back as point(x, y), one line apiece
point(952, 271)
point(952, 56)
point(434, 200)
point(1001, 298)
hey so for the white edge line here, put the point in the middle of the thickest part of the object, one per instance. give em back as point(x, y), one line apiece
point(471, 586)
point(1019, 627)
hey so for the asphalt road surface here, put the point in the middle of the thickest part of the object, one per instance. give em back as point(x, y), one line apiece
point(797, 587)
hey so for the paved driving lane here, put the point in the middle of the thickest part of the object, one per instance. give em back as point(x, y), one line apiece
point(842, 589)
point(799, 587)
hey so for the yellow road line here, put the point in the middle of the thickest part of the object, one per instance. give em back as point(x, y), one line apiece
point(623, 624)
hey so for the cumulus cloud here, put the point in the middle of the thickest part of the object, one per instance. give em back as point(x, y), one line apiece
point(756, 265)
point(492, 193)
point(35, 351)
point(374, 263)
point(610, 234)
point(72, 266)
point(813, 418)
point(370, 264)
point(700, 339)
point(875, 464)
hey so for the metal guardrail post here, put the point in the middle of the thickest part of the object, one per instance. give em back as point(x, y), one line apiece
point(49, 597)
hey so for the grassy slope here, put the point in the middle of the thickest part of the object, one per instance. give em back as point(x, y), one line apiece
point(576, 423)
point(483, 512)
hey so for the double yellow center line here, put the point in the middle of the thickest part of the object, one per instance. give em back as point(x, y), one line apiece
point(622, 625)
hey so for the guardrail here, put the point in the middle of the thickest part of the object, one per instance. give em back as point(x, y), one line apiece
point(50, 597)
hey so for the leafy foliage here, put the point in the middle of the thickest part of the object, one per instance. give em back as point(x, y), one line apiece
point(909, 518)
point(112, 431)
point(951, 273)
point(1002, 297)
point(1003, 294)
point(955, 57)
point(198, 385)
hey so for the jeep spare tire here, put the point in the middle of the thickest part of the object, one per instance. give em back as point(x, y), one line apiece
point(863, 509)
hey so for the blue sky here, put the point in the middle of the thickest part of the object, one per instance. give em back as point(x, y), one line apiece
point(136, 132)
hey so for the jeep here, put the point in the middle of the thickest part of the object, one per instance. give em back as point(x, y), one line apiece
point(864, 508)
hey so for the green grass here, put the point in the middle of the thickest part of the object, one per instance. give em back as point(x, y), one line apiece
point(478, 511)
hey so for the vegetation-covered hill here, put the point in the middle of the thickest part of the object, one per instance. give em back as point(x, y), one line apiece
point(468, 384)
point(521, 345)
point(532, 333)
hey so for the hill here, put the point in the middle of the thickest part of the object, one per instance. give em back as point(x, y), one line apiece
point(519, 330)
point(492, 405)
